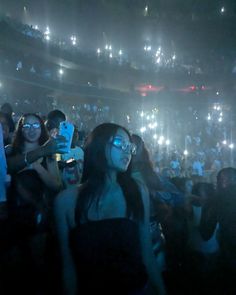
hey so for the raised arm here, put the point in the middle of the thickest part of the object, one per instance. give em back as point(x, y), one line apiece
point(18, 162)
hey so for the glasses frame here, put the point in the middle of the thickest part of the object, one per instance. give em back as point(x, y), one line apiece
point(27, 126)
point(124, 145)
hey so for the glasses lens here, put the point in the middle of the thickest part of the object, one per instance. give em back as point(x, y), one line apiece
point(117, 142)
point(26, 126)
point(36, 125)
point(124, 145)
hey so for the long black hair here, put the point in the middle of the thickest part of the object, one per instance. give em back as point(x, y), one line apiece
point(18, 140)
point(95, 171)
point(143, 164)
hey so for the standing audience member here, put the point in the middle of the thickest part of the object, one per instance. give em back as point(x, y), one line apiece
point(103, 225)
point(143, 172)
point(54, 118)
point(71, 164)
point(202, 256)
point(33, 149)
point(29, 237)
point(223, 211)
point(35, 182)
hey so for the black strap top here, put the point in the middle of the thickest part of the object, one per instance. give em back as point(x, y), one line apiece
point(108, 256)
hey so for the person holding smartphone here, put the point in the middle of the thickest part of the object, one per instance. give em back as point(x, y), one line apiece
point(35, 183)
point(71, 164)
point(33, 149)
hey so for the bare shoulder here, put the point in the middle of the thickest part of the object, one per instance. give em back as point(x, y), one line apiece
point(65, 203)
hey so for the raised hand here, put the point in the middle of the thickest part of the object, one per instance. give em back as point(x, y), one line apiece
point(54, 145)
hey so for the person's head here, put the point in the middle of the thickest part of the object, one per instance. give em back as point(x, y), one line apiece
point(141, 150)
point(4, 120)
point(54, 118)
point(226, 178)
point(7, 109)
point(174, 157)
point(108, 147)
point(30, 129)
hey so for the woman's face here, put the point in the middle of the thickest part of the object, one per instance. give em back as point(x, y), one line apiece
point(31, 129)
point(119, 151)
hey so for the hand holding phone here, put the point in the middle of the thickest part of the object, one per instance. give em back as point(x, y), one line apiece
point(66, 129)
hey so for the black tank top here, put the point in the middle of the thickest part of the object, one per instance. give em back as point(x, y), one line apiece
point(108, 257)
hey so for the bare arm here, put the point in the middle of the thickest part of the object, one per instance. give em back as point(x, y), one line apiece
point(152, 267)
point(18, 162)
point(64, 221)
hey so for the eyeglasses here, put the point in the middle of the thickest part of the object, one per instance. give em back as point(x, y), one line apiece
point(34, 125)
point(123, 145)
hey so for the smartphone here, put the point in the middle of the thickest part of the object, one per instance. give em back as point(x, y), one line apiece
point(66, 129)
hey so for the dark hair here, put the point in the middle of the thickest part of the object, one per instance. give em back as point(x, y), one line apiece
point(6, 117)
point(56, 114)
point(7, 108)
point(94, 174)
point(9, 120)
point(18, 140)
point(144, 165)
point(54, 118)
point(230, 177)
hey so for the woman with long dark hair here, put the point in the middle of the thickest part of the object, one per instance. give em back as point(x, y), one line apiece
point(141, 163)
point(35, 183)
point(103, 225)
point(32, 149)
